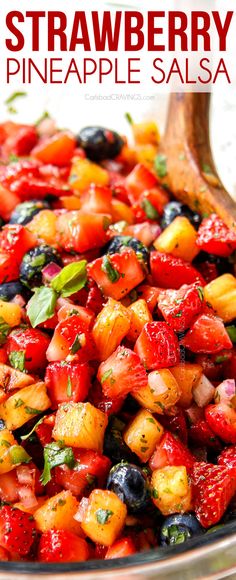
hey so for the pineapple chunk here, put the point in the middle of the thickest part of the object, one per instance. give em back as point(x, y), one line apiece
point(84, 172)
point(171, 490)
point(161, 392)
point(80, 425)
point(178, 239)
point(104, 517)
point(13, 379)
point(111, 326)
point(143, 434)
point(58, 512)
point(187, 376)
point(11, 454)
point(24, 405)
point(221, 294)
point(140, 314)
point(121, 212)
point(10, 313)
point(146, 133)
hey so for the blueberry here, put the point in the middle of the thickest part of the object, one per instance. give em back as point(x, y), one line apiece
point(178, 528)
point(99, 143)
point(34, 261)
point(175, 209)
point(114, 445)
point(130, 484)
point(10, 289)
point(221, 264)
point(119, 242)
point(24, 212)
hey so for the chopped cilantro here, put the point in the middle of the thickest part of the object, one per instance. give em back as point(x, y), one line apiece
point(17, 359)
point(109, 269)
point(56, 454)
point(102, 516)
point(161, 165)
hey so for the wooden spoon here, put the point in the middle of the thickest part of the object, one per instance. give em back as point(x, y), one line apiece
point(190, 170)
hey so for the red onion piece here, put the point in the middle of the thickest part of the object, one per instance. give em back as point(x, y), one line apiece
point(50, 271)
point(203, 392)
point(25, 475)
point(83, 506)
point(225, 391)
point(27, 497)
point(18, 299)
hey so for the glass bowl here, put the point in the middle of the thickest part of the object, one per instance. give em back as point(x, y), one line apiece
point(208, 557)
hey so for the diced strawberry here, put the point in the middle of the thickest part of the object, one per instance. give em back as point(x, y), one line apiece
point(32, 345)
point(108, 405)
point(98, 200)
point(213, 488)
point(33, 188)
point(56, 150)
point(117, 274)
point(138, 181)
point(23, 142)
point(85, 315)
point(9, 487)
point(91, 296)
point(170, 451)
point(177, 424)
point(228, 458)
point(121, 548)
point(8, 202)
point(150, 294)
point(170, 272)
point(201, 434)
point(179, 307)
point(14, 171)
point(16, 240)
point(69, 381)
point(146, 232)
point(44, 433)
point(9, 268)
point(79, 231)
point(62, 546)
point(17, 530)
point(121, 373)
point(222, 420)
point(215, 237)
point(215, 366)
point(91, 471)
point(208, 270)
point(71, 337)
point(207, 335)
point(157, 346)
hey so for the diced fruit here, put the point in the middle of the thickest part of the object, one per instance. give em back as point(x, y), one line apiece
point(187, 375)
point(222, 420)
point(121, 548)
point(202, 435)
point(138, 181)
point(104, 517)
point(150, 294)
point(27, 348)
point(120, 211)
point(43, 226)
point(84, 172)
point(9, 268)
point(79, 231)
point(23, 405)
point(160, 393)
point(203, 392)
point(111, 326)
point(122, 373)
point(80, 425)
point(11, 379)
point(179, 240)
point(207, 335)
point(91, 470)
point(68, 309)
point(157, 346)
point(62, 546)
point(170, 490)
point(67, 381)
point(71, 337)
point(8, 202)
point(58, 512)
point(215, 237)
point(170, 451)
point(117, 274)
point(145, 133)
point(227, 458)
point(221, 294)
point(98, 200)
point(143, 434)
point(170, 272)
point(10, 313)
point(213, 488)
point(17, 530)
point(56, 150)
point(140, 315)
point(7, 441)
point(16, 240)
point(179, 307)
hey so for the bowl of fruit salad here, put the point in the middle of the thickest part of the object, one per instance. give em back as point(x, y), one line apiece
point(117, 363)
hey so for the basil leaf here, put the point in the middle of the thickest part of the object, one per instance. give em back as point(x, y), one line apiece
point(41, 306)
point(231, 330)
point(17, 359)
point(160, 165)
point(56, 454)
point(109, 270)
point(4, 330)
point(70, 279)
point(102, 516)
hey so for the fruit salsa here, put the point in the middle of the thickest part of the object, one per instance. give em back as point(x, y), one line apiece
point(117, 356)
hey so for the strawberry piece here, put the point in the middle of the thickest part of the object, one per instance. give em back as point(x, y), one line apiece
point(215, 237)
point(107, 405)
point(222, 420)
point(17, 530)
point(121, 548)
point(208, 270)
point(62, 546)
point(9, 268)
point(69, 381)
point(32, 344)
point(157, 346)
point(79, 231)
point(201, 434)
point(56, 150)
point(176, 424)
point(138, 181)
point(213, 488)
point(207, 335)
point(121, 373)
point(33, 188)
point(170, 272)
point(8, 202)
point(117, 274)
point(170, 451)
point(179, 307)
point(24, 141)
point(16, 240)
point(71, 337)
point(228, 458)
point(14, 171)
point(91, 471)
